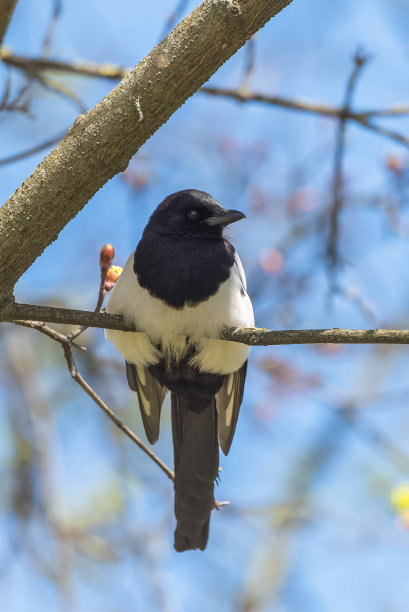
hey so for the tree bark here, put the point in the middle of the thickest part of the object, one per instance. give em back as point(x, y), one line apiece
point(252, 336)
point(6, 10)
point(101, 142)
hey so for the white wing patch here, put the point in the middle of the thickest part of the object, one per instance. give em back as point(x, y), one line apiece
point(150, 395)
point(142, 394)
point(228, 401)
point(229, 408)
point(240, 271)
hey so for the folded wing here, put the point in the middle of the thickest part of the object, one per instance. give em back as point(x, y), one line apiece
point(150, 395)
point(228, 401)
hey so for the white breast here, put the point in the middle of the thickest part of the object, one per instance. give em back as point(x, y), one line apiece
point(168, 327)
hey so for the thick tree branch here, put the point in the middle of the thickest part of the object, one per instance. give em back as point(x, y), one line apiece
point(101, 142)
point(252, 336)
point(6, 10)
point(49, 314)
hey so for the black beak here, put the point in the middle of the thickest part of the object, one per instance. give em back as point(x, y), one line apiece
point(227, 217)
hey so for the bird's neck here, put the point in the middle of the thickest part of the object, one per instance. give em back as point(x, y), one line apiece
point(182, 271)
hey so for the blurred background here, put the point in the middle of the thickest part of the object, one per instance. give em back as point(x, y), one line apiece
point(318, 471)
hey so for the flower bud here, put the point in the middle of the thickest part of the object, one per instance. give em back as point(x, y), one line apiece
point(108, 286)
point(113, 274)
point(107, 255)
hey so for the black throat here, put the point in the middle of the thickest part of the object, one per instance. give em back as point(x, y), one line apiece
point(182, 270)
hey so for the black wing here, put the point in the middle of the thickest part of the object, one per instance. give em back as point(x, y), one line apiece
point(228, 401)
point(150, 395)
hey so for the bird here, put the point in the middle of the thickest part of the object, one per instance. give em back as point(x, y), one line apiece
point(180, 288)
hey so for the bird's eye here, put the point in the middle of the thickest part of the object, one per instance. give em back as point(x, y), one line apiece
point(193, 214)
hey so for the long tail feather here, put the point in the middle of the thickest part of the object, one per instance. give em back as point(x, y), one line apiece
point(196, 453)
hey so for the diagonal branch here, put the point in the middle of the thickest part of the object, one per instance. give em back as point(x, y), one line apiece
point(32, 150)
point(66, 344)
point(101, 142)
point(89, 391)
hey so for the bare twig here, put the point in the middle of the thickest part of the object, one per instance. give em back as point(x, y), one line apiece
point(72, 368)
point(250, 64)
point(49, 35)
point(101, 296)
point(362, 118)
point(32, 150)
point(114, 72)
point(16, 104)
point(42, 64)
point(241, 94)
point(174, 16)
point(338, 190)
point(383, 131)
point(61, 90)
point(48, 331)
point(66, 343)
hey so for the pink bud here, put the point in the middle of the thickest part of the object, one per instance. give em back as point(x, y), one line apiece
point(108, 286)
point(107, 255)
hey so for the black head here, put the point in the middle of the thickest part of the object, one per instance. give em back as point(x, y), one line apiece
point(191, 213)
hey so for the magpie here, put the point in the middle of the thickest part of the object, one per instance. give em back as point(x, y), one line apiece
point(181, 286)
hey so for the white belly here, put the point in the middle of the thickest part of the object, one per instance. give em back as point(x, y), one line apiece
point(169, 327)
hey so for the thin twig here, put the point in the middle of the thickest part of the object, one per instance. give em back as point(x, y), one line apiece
point(110, 414)
point(338, 187)
point(110, 71)
point(174, 17)
point(66, 343)
point(48, 331)
point(40, 64)
point(49, 35)
point(60, 90)
point(32, 150)
point(15, 104)
point(101, 296)
point(250, 63)
point(383, 131)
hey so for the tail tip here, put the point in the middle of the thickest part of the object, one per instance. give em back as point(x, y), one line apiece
point(183, 542)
